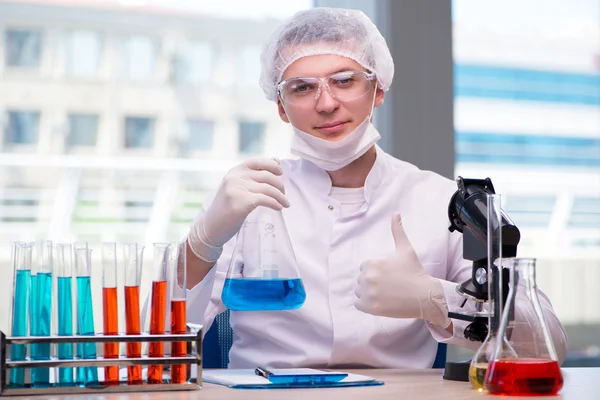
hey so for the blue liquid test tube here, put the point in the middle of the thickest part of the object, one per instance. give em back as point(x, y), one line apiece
point(85, 315)
point(63, 267)
point(40, 307)
point(21, 263)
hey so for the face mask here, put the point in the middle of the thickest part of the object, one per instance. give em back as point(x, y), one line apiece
point(332, 156)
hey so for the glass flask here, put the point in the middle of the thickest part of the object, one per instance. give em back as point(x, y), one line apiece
point(263, 273)
point(525, 362)
point(481, 359)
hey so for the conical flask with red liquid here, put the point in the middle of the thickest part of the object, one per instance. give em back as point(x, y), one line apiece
point(525, 362)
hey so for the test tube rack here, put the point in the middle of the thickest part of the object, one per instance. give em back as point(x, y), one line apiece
point(193, 340)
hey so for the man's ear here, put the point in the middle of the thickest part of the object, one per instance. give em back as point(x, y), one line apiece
point(282, 113)
point(379, 95)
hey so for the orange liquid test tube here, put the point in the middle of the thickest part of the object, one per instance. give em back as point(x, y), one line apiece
point(177, 294)
point(158, 308)
point(110, 309)
point(133, 276)
point(178, 349)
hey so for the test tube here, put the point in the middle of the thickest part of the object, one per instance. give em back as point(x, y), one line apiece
point(21, 265)
point(85, 314)
point(110, 308)
point(158, 308)
point(133, 255)
point(177, 294)
point(40, 307)
point(63, 265)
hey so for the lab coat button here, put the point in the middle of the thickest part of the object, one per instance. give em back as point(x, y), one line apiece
point(330, 207)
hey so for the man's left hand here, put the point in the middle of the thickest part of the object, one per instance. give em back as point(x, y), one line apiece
point(399, 286)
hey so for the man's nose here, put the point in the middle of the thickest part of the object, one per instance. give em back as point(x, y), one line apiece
point(326, 103)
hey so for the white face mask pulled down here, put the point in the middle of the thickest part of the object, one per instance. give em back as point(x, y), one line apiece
point(332, 156)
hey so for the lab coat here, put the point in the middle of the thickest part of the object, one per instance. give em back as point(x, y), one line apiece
point(328, 331)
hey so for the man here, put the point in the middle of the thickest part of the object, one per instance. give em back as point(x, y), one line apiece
point(376, 296)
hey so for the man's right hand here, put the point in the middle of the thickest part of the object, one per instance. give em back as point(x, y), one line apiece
point(256, 182)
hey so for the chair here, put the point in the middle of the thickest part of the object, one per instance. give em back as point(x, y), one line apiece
point(219, 338)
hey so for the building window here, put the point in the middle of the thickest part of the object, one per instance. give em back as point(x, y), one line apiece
point(251, 137)
point(139, 57)
point(139, 132)
point(23, 48)
point(193, 64)
point(200, 135)
point(83, 53)
point(83, 130)
point(22, 127)
point(248, 70)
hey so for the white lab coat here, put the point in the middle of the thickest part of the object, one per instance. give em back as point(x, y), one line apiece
point(328, 331)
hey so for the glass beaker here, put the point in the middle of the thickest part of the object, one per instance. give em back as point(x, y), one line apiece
point(480, 361)
point(525, 361)
point(263, 273)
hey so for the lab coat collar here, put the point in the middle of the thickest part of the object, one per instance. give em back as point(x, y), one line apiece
point(321, 181)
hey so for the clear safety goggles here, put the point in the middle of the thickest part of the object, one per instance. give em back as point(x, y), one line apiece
point(343, 86)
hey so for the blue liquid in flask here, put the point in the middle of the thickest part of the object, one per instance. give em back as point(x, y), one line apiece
point(65, 327)
point(19, 328)
point(41, 297)
point(256, 294)
point(85, 327)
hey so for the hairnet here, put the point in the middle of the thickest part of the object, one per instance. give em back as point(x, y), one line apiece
point(323, 30)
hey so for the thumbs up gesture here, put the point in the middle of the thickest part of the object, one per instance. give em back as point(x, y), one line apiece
point(399, 286)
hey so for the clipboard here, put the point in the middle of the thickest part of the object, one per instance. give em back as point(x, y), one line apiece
point(247, 379)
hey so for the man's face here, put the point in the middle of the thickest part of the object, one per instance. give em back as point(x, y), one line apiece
point(327, 118)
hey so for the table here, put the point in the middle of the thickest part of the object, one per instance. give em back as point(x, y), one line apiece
point(580, 384)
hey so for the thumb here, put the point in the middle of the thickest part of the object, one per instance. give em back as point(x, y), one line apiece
point(400, 239)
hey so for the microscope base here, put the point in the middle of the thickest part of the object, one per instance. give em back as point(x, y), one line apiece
point(457, 371)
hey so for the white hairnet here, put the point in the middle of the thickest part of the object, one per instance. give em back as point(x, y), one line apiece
point(323, 30)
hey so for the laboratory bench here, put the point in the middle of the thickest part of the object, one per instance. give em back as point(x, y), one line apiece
point(580, 384)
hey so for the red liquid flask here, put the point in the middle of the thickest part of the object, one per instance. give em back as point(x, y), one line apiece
point(524, 362)
point(524, 377)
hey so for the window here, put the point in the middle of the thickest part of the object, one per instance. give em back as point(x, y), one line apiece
point(139, 57)
point(23, 48)
point(248, 70)
point(200, 134)
point(139, 132)
point(251, 137)
point(83, 53)
point(193, 64)
point(22, 127)
point(83, 130)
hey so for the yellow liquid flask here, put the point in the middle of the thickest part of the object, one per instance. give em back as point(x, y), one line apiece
point(525, 362)
point(263, 273)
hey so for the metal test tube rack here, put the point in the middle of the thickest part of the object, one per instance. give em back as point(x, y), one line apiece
point(192, 357)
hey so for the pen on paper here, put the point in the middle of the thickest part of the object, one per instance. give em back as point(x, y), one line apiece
point(261, 371)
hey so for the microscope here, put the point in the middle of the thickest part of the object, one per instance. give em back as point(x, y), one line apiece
point(467, 212)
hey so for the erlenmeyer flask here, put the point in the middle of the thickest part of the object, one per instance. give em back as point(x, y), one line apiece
point(263, 273)
point(525, 362)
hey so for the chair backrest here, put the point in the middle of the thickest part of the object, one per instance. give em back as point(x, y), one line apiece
point(219, 338)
